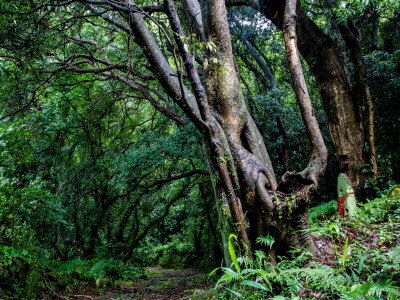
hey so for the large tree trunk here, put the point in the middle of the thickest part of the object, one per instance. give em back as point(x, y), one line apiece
point(319, 152)
point(249, 199)
point(249, 164)
point(361, 90)
point(340, 103)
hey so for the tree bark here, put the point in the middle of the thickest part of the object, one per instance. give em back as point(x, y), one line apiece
point(319, 153)
point(193, 14)
point(341, 106)
point(209, 124)
point(361, 88)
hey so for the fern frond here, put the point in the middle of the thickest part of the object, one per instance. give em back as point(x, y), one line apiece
point(225, 279)
point(228, 276)
point(319, 277)
point(382, 287)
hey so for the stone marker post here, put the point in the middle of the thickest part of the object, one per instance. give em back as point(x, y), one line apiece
point(347, 202)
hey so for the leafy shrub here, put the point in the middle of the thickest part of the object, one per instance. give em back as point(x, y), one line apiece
point(322, 211)
point(364, 260)
point(20, 274)
point(116, 269)
point(88, 271)
point(259, 279)
point(175, 254)
point(378, 210)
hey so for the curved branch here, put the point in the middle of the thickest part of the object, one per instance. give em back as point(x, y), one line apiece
point(176, 177)
point(170, 113)
point(319, 153)
point(110, 18)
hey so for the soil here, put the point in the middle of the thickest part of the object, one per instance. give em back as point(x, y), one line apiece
point(160, 284)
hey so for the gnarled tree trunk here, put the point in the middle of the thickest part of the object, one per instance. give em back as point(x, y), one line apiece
point(361, 88)
point(249, 198)
point(340, 102)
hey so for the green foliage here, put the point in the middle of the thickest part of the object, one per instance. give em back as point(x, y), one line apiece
point(232, 252)
point(16, 272)
point(322, 211)
point(363, 267)
point(383, 289)
point(384, 209)
point(384, 81)
point(345, 253)
point(27, 274)
point(84, 163)
point(80, 271)
point(353, 8)
point(296, 280)
point(85, 158)
point(174, 254)
point(267, 240)
point(264, 280)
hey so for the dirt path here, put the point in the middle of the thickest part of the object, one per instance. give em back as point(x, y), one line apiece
point(161, 284)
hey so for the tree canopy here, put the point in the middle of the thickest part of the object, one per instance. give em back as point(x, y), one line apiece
point(131, 128)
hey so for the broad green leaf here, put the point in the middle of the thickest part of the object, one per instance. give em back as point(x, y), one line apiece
point(254, 284)
point(214, 271)
point(230, 271)
point(247, 271)
point(234, 292)
point(233, 253)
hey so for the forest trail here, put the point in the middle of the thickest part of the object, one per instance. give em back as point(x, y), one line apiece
point(162, 284)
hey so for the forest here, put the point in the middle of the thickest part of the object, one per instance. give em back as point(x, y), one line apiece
point(200, 149)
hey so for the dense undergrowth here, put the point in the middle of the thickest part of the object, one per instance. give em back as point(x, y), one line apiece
point(26, 275)
point(359, 259)
point(34, 274)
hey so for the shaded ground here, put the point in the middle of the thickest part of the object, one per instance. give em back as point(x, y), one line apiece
point(161, 284)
